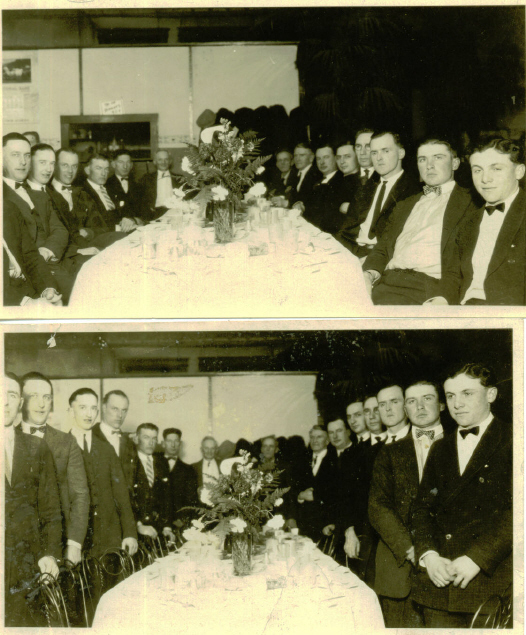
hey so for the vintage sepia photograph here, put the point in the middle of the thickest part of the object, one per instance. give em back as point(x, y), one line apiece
point(254, 162)
point(350, 477)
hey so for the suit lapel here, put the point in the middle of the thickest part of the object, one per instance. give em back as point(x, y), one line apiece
point(458, 202)
point(510, 227)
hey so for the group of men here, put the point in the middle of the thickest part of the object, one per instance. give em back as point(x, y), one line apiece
point(426, 241)
point(423, 515)
point(55, 220)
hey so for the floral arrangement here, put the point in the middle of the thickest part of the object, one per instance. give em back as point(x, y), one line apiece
point(224, 169)
point(241, 502)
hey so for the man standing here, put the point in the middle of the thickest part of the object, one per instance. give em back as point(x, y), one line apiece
point(407, 264)
point(150, 497)
point(122, 189)
point(392, 412)
point(33, 521)
point(372, 419)
point(356, 420)
point(489, 255)
point(367, 221)
point(37, 392)
point(115, 406)
point(207, 469)
point(111, 522)
point(396, 475)
point(155, 188)
point(462, 520)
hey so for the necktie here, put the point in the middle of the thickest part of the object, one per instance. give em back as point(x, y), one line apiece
point(378, 439)
point(171, 463)
point(34, 429)
point(8, 468)
point(377, 208)
point(85, 444)
point(43, 188)
point(314, 461)
point(17, 185)
point(391, 439)
point(67, 187)
point(475, 430)
point(149, 470)
point(108, 203)
point(491, 208)
point(430, 189)
point(428, 433)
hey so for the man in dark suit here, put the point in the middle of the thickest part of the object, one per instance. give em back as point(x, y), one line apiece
point(392, 412)
point(37, 392)
point(368, 217)
point(111, 522)
point(123, 189)
point(155, 188)
point(207, 469)
point(462, 519)
point(280, 177)
point(33, 520)
point(150, 498)
point(407, 264)
point(314, 486)
point(351, 184)
point(396, 475)
point(115, 406)
point(182, 479)
point(304, 177)
point(362, 147)
point(488, 265)
point(27, 279)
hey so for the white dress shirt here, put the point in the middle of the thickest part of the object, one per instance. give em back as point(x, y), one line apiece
point(97, 189)
point(338, 451)
point(466, 447)
point(489, 231)
point(26, 428)
point(114, 439)
point(319, 458)
point(365, 227)
point(423, 445)
point(370, 170)
point(364, 436)
point(396, 436)
point(124, 183)
point(328, 177)
point(21, 191)
point(65, 193)
point(164, 188)
point(79, 436)
point(210, 471)
point(419, 245)
point(171, 461)
point(9, 448)
point(37, 187)
point(377, 438)
point(302, 174)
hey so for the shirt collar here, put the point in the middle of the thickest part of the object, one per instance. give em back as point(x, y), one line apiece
point(362, 171)
point(364, 436)
point(447, 187)
point(483, 426)
point(401, 433)
point(58, 185)
point(142, 456)
point(507, 201)
point(328, 177)
point(11, 182)
point(438, 429)
point(35, 186)
point(305, 170)
point(95, 186)
point(382, 435)
point(27, 426)
point(392, 178)
point(107, 430)
point(320, 454)
point(163, 173)
point(170, 458)
point(79, 435)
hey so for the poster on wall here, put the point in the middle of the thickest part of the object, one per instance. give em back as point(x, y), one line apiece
point(20, 87)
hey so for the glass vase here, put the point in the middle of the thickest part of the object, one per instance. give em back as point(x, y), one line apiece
point(241, 553)
point(223, 216)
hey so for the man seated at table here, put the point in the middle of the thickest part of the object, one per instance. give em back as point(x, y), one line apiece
point(155, 188)
point(304, 176)
point(362, 147)
point(488, 265)
point(207, 469)
point(407, 264)
point(123, 190)
point(279, 180)
point(350, 185)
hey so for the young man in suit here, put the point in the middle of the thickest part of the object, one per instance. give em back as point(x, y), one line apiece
point(37, 392)
point(115, 406)
point(367, 219)
point(305, 176)
point(207, 469)
point(462, 519)
point(150, 498)
point(407, 264)
point(396, 476)
point(122, 189)
point(111, 522)
point(362, 147)
point(182, 479)
point(489, 254)
point(155, 188)
point(33, 519)
point(350, 185)
point(392, 412)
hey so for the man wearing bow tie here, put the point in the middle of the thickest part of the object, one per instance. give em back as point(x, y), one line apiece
point(37, 392)
point(392, 413)
point(155, 188)
point(396, 476)
point(413, 254)
point(489, 253)
point(462, 518)
point(122, 189)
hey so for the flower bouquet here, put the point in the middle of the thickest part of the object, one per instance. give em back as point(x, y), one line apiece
point(220, 172)
point(240, 503)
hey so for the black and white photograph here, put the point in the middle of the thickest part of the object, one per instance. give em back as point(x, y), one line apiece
point(16, 71)
point(265, 162)
point(346, 478)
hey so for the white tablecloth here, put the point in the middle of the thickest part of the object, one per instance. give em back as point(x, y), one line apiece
point(191, 597)
point(320, 279)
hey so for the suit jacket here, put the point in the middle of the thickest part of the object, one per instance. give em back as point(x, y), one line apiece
point(146, 197)
point(351, 499)
point(405, 186)
point(151, 505)
point(111, 516)
point(25, 252)
point(275, 184)
point(99, 218)
point(312, 177)
point(468, 514)
point(198, 469)
point(505, 282)
point(127, 454)
point(322, 208)
point(72, 482)
point(457, 206)
point(182, 481)
point(124, 201)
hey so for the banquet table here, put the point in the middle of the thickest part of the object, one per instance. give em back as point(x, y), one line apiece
point(306, 273)
point(190, 595)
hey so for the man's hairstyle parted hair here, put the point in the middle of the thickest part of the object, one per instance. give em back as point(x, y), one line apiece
point(281, 151)
point(34, 133)
point(326, 144)
point(66, 150)
point(303, 145)
point(97, 156)
point(363, 131)
point(13, 136)
point(343, 418)
point(38, 147)
point(120, 153)
point(38, 376)
point(475, 370)
point(391, 384)
point(169, 431)
point(208, 438)
point(427, 382)
point(14, 378)
point(318, 427)
point(119, 393)
point(80, 392)
point(147, 426)
point(514, 150)
point(435, 141)
point(395, 135)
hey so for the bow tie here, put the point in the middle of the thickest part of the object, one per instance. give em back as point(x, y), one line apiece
point(428, 433)
point(429, 189)
point(491, 208)
point(67, 187)
point(35, 429)
point(124, 178)
point(17, 185)
point(475, 430)
point(116, 432)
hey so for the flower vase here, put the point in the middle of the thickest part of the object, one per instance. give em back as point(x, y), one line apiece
point(223, 216)
point(242, 553)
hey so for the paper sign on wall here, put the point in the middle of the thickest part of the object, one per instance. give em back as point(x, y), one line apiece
point(114, 107)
